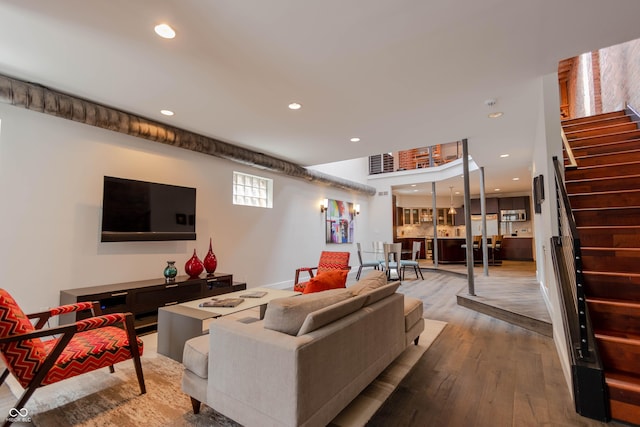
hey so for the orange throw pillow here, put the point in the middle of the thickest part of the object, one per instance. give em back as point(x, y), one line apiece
point(324, 281)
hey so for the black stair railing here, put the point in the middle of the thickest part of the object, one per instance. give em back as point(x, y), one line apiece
point(590, 391)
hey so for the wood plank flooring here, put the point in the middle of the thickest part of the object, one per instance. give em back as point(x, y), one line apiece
point(480, 371)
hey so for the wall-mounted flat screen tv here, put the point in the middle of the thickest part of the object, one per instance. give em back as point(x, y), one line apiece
point(146, 211)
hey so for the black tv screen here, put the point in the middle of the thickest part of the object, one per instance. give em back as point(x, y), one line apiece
point(145, 211)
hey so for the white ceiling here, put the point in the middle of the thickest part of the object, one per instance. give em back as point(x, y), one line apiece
point(396, 73)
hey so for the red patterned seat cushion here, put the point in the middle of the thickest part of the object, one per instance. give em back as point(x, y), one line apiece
point(22, 358)
point(90, 350)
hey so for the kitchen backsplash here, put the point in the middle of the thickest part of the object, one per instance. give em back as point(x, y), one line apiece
point(520, 228)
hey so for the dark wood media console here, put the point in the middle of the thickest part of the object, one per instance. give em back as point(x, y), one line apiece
point(144, 297)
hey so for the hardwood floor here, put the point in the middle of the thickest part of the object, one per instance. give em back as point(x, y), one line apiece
point(480, 371)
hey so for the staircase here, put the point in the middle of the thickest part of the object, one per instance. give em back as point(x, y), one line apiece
point(604, 193)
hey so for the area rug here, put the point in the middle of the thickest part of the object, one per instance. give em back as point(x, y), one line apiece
point(101, 399)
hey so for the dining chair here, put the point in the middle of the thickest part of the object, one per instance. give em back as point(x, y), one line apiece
point(365, 264)
point(392, 257)
point(69, 350)
point(413, 262)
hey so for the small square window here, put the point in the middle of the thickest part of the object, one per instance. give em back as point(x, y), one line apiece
point(251, 190)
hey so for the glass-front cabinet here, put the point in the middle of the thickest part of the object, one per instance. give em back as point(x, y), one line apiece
point(425, 215)
point(416, 216)
point(411, 216)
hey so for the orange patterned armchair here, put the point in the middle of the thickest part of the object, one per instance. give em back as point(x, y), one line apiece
point(72, 350)
point(328, 261)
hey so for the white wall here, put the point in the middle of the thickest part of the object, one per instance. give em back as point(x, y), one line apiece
point(51, 173)
point(548, 143)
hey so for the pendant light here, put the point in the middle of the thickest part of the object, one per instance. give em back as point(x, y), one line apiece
point(452, 210)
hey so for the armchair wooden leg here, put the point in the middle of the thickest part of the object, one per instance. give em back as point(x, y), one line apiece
point(138, 366)
point(4, 376)
point(415, 342)
point(112, 369)
point(135, 352)
point(195, 404)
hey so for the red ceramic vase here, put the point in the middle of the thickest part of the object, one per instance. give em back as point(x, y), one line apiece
point(194, 266)
point(210, 261)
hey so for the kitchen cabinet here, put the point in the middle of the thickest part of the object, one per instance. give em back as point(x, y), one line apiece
point(444, 217)
point(414, 216)
point(512, 203)
point(411, 216)
point(491, 206)
point(426, 215)
point(459, 219)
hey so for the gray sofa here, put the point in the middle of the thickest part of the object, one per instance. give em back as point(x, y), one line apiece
point(307, 359)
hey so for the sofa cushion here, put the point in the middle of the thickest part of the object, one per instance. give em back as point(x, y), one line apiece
point(195, 356)
point(382, 292)
point(326, 315)
point(288, 314)
point(332, 279)
point(412, 312)
point(374, 279)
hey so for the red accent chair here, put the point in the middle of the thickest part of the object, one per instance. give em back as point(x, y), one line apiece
point(74, 349)
point(328, 261)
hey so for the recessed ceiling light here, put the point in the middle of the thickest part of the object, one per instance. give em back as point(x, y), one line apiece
point(295, 106)
point(504, 155)
point(355, 139)
point(495, 115)
point(166, 112)
point(165, 31)
point(457, 192)
point(496, 189)
point(415, 191)
point(413, 185)
point(515, 179)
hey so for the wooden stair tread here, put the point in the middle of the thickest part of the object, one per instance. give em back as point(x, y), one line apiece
point(595, 118)
point(600, 122)
point(606, 199)
point(604, 129)
point(609, 248)
point(605, 209)
point(611, 157)
point(571, 181)
point(632, 133)
point(611, 144)
point(612, 273)
point(614, 302)
point(604, 193)
point(625, 338)
point(603, 155)
point(625, 381)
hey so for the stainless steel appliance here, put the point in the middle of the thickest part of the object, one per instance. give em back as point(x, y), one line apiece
point(513, 215)
point(492, 224)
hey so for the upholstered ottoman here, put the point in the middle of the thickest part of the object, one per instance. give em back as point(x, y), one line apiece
point(195, 359)
point(413, 321)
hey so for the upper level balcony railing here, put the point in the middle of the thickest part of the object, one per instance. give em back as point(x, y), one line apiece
point(416, 158)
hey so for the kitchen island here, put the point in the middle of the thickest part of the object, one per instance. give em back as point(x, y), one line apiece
point(516, 248)
point(450, 250)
